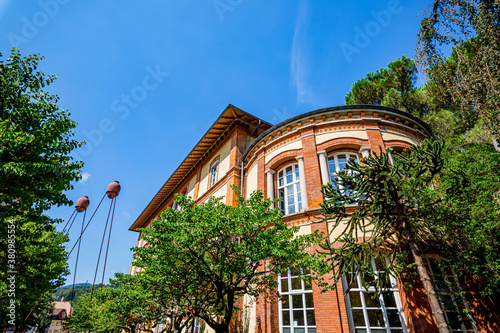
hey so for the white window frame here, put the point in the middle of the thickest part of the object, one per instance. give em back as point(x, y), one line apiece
point(450, 278)
point(283, 186)
point(357, 289)
point(196, 326)
point(287, 296)
point(214, 170)
point(335, 156)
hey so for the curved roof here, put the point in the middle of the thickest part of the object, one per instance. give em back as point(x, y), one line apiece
point(404, 114)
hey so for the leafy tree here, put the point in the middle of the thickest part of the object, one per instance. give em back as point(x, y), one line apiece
point(393, 86)
point(35, 170)
point(469, 78)
point(122, 306)
point(470, 222)
point(395, 203)
point(205, 256)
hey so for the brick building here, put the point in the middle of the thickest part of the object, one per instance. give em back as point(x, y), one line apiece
point(292, 160)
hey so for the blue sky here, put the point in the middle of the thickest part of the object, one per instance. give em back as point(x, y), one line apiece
point(145, 80)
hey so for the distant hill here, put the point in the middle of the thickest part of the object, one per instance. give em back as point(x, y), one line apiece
point(80, 288)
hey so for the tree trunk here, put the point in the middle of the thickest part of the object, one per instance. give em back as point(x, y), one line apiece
point(426, 281)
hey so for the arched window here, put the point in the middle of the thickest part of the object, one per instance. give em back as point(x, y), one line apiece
point(338, 161)
point(289, 189)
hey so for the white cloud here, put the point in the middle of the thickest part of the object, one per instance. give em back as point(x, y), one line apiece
point(85, 177)
point(126, 214)
point(298, 61)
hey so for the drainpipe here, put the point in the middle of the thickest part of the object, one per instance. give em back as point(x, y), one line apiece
point(241, 189)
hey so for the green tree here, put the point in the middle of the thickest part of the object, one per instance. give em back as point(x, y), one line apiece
point(205, 256)
point(395, 203)
point(393, 86)
point(35, 170)
point(470, 221)
point(469, 78)
point(124, 305)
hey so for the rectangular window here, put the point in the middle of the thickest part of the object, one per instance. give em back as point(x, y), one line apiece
point(289, 189)
point(213, 173)
point(296, 307)
point(197, 325)
point(374, 314)
point(454, 305)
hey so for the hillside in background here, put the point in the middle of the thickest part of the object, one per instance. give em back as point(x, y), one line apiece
point(64, 293)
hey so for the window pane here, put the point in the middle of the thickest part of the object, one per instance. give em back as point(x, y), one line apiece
point(286, 302)
point(284, 285)
point(297, 302)
point(371, 303)
point(298, 318)
point(389, 300)
point(307, 284)
point(375, 318)
point(360, 330)
point(289, 175)
point(299, 330)
point(355, 299)
point(286, 330)
point(309, 300)
point(311, 321)
point(358, 318)
point(297, 177)
point(286, 318)
point(342, 161)
point(296, 283)
point(311, 330)
point(354, 280)
point(294, 272)
point(394, 320)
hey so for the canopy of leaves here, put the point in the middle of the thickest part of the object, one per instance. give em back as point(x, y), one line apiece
point(449, 195)
point(393, 86)
point(35, 170)
point(389, 199)
point(122, 306)
point(203, 256)
point(468, 81)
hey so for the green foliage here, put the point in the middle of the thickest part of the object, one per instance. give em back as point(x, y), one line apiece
point(447, 195)
point(203, 256)
point(123, 306)
point(468, 80)
point(470, 222)
point(393, 86)
point(80, 289)
point(390, 200)
point(35, 170)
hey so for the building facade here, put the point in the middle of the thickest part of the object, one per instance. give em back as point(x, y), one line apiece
point(292, 160)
